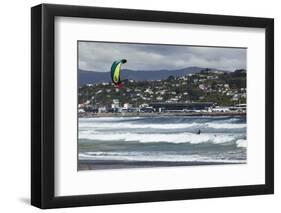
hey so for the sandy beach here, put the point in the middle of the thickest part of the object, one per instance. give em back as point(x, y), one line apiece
point(119, 164)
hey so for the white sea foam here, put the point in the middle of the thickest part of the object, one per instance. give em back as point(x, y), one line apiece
point(241, 143)
point(132, 125)
point(98, 119)
point(106, 131)
point(139, 156)
point(226, 126)
point(170, 138)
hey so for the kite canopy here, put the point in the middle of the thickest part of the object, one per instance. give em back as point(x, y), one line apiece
point(115, 72)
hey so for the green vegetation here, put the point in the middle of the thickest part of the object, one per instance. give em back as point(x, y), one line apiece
point(222, 88)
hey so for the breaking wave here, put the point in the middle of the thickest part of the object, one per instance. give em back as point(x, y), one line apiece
point(131, 125)
point(141, 156)
point(169, 138)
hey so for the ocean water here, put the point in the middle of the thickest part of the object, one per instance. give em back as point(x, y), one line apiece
point(166, 139)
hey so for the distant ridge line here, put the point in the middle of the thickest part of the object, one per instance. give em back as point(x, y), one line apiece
point(88, 77)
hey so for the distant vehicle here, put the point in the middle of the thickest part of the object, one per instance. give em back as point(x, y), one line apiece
point(90, 109)
point(147, 109)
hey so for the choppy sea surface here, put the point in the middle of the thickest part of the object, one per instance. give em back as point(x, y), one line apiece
point(167, 139)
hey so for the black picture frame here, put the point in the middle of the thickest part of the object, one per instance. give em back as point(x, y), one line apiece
point(43, 111)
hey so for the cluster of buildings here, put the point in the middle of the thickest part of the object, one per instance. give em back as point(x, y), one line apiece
point(224, 89)
point(160, 107)
point(189, 93)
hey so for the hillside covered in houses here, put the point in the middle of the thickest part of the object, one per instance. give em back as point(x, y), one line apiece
point(218, 87)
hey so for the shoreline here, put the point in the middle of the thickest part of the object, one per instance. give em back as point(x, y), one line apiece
point(84, 165)
point(155, 114)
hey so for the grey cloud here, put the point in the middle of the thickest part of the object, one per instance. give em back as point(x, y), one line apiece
point(98, 56)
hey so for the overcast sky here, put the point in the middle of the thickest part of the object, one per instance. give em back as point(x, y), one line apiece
point(98, 56)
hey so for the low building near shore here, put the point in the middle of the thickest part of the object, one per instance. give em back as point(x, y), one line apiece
point(220, 109)
point(201, 106)
point(127, 106)
point(81, 110)
point(102, 109)
point(239, 108)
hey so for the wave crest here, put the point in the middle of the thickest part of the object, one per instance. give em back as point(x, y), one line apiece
point(153, 138)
